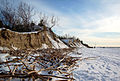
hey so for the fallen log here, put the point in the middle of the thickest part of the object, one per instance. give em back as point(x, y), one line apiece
point(28, 76)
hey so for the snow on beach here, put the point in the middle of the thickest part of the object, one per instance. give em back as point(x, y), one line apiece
point(105, 67)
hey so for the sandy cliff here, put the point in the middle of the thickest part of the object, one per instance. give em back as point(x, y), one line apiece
point(29, 40)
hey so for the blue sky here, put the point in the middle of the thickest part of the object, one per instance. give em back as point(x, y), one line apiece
point(96, 22)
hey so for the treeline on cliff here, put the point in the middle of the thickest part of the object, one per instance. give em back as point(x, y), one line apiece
point(21, 18)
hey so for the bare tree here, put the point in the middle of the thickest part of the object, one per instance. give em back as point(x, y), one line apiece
point(1, 24)
point(43, 19)
point(53, 21)
point(25, 13)
point(47, 21)
point(8, 13)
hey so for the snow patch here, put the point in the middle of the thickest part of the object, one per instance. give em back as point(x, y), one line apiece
point(72, 42)
point(44, 46)
point(4, 48)
point(19, 32)
point(57, 44)
point(3, 57)
point(15, 48)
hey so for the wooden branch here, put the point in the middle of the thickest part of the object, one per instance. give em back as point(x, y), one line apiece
point(27, 76)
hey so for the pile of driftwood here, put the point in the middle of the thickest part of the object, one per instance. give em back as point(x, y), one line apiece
point(44, 64)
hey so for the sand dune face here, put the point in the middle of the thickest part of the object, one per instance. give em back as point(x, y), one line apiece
point(32, 40)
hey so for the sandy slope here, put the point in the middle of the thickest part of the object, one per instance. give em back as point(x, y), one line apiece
point(104, 68)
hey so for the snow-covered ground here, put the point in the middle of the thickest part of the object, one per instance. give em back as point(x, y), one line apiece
point(106, 67)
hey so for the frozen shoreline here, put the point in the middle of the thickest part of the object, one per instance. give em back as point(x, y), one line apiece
point(104, 68)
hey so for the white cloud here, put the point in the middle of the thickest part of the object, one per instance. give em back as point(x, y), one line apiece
point(108, 24)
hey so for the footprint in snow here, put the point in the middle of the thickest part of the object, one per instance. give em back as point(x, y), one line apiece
point(92, 67)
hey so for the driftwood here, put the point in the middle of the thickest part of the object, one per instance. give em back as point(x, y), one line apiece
point(46, 60)
point(49, 60)
point(27, 76)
